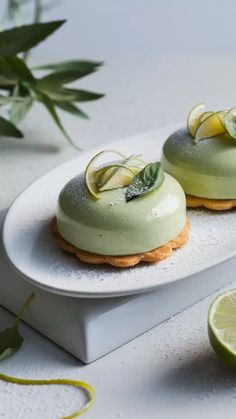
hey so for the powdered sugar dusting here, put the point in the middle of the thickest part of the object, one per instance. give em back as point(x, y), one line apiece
point(34, 251)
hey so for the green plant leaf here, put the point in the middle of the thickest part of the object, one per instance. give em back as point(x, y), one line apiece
point(71, 108)
point(83, 95)
point(10, 338)
point(5, 100)
point(68, 72)
point(61, 77)
point(83, 66)
point(10, 341)
point(150, 178)
point(23, 38)
point(52, 111)
point(20, 109)
point(55, 93)
point(61, 94)
point(6, 84)
point(14, 69)
point(7, 129)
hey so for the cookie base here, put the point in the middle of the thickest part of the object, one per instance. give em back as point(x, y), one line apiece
point(155, 255)
point(212, 204)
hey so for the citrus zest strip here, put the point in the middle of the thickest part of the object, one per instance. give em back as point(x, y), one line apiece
point(87, 389)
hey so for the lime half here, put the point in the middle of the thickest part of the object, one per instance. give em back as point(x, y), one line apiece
point(222, 327)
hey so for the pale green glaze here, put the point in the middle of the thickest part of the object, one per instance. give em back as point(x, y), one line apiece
point(111, 226)
point(206, 169)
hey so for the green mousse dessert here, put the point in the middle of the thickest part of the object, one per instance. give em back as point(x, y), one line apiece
point(121, 208)
point(203, 159)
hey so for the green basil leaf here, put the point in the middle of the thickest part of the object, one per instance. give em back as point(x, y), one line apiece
point(71, 108)
point(83, 66)
point(22, 38)
point(150, 178)
point(19, 109)
point(14, 69)
point(52, 111)
point(10, 341)
point(7, 129)
point(230, 123)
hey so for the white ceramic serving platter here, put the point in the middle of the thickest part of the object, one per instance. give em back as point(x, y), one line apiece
point(33, 251)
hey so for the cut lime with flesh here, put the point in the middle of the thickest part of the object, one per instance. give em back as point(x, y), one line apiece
point(211, 127)
point(193, 120)
point(222, 327)
point(92, 171)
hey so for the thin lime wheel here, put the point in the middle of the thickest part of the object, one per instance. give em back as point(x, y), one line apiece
point(193, 120)
point(222, 327)
point(92, 170)
point(122, 175)
point(210, 127)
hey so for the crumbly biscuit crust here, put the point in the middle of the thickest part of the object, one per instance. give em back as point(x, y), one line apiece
point(212, 204)
point(155, 255)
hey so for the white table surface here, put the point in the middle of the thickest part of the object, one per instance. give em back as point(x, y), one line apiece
point(171, 372)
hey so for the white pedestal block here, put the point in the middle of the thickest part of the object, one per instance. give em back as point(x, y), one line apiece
point(91, 328)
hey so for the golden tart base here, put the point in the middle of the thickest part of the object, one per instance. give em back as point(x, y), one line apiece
point(155, 255)
point(212, 204)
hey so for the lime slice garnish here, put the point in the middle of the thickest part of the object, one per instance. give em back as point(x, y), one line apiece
point(211, 127)
point(193, 120)
point(92, 170)
point(221, 115)
point(204, 116)
point(122, 175)
point(222, 327)
point(230, 122)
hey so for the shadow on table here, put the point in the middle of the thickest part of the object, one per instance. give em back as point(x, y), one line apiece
point(203, 375)
point(22, 146)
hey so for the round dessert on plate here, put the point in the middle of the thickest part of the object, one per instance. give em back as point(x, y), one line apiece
point(121, 213)
point(202, 157)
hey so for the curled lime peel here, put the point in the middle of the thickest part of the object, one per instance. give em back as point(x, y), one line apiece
point(87, 389)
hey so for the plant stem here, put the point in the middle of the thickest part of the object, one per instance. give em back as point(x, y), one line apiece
point(23, 307)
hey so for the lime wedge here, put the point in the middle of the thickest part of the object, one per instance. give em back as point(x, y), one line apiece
point(211, 127)
point(193, 120)
point(93, 171)
point(222, 327)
